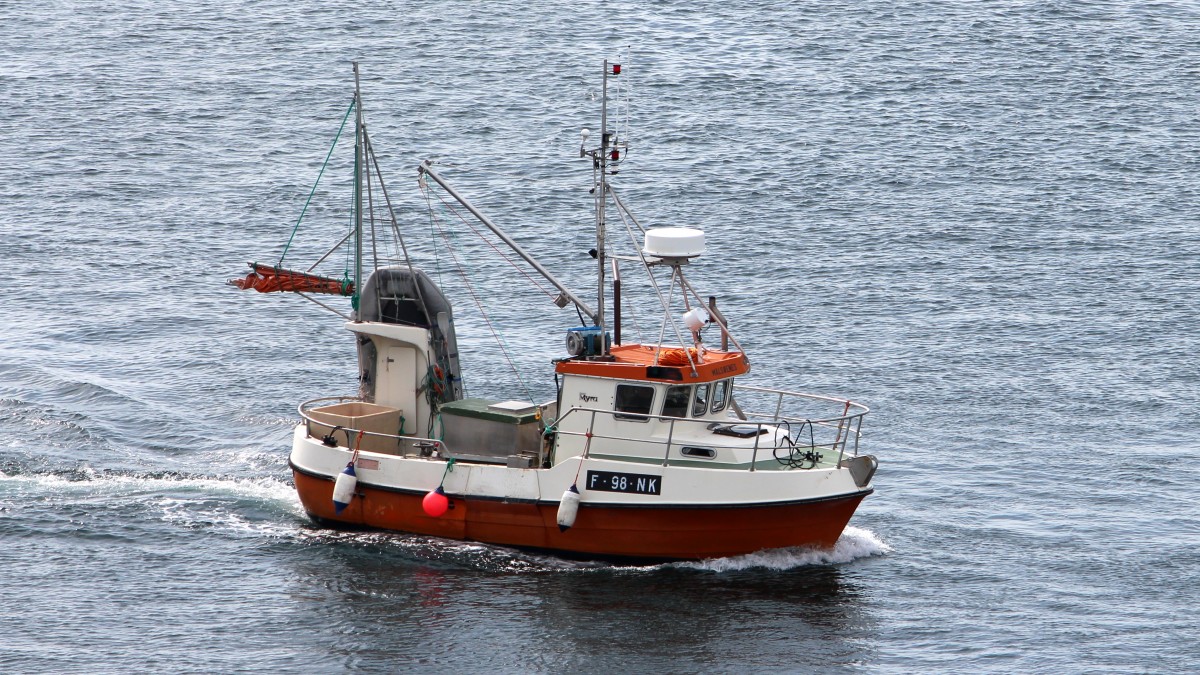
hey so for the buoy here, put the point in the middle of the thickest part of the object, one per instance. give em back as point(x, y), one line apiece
point(343, 488)
point(568, 508)
point(435, 503)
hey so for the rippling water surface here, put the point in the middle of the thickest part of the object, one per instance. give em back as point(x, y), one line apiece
point(978, 219)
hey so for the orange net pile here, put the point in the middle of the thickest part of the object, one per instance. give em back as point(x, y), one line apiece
point(267, 279)
point(676, 356)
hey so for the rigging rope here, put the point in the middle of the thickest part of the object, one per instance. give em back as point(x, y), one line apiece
point(479, 304)
point(495, 248)
point(437, 267)
point(318, 181)
point(665, 302)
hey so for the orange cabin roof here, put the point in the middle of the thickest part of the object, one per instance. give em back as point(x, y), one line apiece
point(636, 362)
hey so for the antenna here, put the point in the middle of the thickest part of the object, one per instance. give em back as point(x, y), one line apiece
point(604, 161)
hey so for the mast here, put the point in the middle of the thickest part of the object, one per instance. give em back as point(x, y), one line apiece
point(359, 163)
point(601, 198)
point(609, 151)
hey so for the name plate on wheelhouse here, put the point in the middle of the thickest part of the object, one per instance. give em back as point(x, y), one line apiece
point(614, 481)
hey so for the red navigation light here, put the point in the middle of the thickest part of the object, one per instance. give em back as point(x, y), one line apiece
point(616, 154)
point(616, 69)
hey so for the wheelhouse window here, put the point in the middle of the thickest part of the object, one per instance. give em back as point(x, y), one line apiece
point(720, 397)
point(677, 400)
point(700, 401)
point(633, 398)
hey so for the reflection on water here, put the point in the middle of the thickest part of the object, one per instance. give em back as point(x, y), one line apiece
point(658, 614)
point(405, 599)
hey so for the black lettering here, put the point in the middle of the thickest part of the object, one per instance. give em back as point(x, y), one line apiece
point(615, 481)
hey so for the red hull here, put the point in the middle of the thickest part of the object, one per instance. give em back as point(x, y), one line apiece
point(655, 533)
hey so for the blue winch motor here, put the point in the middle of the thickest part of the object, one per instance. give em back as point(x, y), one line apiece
point(585, 341)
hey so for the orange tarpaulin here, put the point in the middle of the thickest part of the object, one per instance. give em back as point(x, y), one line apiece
point(676, 356)
point(267, 279)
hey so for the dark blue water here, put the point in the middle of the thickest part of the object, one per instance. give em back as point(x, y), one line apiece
point(978, 219)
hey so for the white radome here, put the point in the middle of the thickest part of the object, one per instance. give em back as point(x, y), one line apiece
point(674, 242)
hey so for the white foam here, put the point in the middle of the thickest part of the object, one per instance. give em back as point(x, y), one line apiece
point(187, 501)
point(90, 482)
point(854, 543)
point(195, 514)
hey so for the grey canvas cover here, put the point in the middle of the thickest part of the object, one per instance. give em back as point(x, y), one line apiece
point(408, 297)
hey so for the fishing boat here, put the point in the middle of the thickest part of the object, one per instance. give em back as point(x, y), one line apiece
point(654, 450)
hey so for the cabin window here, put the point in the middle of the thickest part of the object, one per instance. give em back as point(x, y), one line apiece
point(700, 402)
point(677, 400)
point(633, 398)
point(705, 453)
point(720, 395)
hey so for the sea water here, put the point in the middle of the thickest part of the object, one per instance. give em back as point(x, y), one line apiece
point(979, 219)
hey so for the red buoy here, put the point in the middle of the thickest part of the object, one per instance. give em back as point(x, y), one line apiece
point(435, 503)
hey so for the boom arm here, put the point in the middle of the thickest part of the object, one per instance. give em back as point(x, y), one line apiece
point(427, 170)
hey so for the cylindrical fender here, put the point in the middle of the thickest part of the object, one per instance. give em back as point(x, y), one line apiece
point(343, 488)
point(568, 508)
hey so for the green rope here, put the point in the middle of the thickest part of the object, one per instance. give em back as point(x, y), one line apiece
point(449, 468)
point(314, 187)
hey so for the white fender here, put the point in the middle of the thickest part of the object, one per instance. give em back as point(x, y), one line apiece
point(343, 488)
point(568, 508)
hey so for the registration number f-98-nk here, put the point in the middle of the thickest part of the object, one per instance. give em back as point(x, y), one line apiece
point(614, 481)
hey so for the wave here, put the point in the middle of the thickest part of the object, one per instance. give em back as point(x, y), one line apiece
point(169, 489)
point(855, 543)
point(24, 422)
point(267, 507)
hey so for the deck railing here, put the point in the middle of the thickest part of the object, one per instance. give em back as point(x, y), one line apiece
point(836, 428)
point(418, 446)
point(846, 425)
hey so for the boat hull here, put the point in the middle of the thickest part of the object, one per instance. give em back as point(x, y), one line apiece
point(684, 532)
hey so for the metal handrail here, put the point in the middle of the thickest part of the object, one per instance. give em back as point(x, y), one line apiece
point(305, 404)
point(813, 397)
point(850, 425)
point(670, 435)
point(440, 445)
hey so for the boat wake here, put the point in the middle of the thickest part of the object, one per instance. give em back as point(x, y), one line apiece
point(254, 506)
point(100, 482)
point(231, 505)
point(854, 543)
